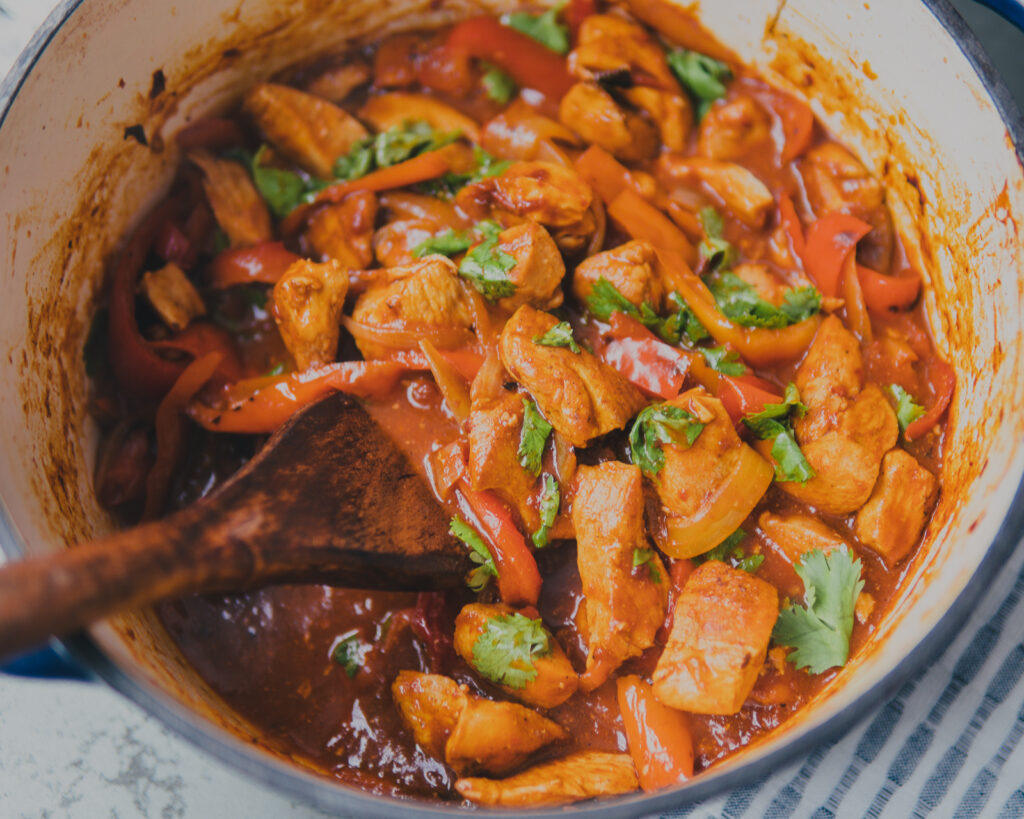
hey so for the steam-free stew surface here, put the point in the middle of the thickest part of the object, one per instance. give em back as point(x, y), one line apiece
point(646, 279)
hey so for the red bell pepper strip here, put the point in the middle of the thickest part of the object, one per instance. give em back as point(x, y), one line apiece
point(139, 370)
point(659, 737)
point(942, 382)
point(642, 220)
point(745, 394)
point(604, 173)
point(201, 338)
point(796, 118)
point(883, 294)
point(643, 359)
point(518, 577)
point(526, 61)
point(264, 263)
point(791, 224)
point(261, 405)
point(829, 241)
point(418, 169)
point(211, 133)
point(576, 13)
point(170, 429)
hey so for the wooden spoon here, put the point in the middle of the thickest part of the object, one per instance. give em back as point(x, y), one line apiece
point(329, 499)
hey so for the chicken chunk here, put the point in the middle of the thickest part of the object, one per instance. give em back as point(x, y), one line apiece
point(738, 190)
point(237, 206)
point(336, 83)
point(844, 470)
point(497, 737)
point(768, 286)
point(837, 182)
point(431, 705)
point(519, 131)
point(310, 131)
point(393, 244)
point(718, 471)
point(734, 129)
point(344, 231)
point(721, 626)
point(307, 308)
point(539, 269)
point(173, 296)
point(469, 732)
point(794, 535)
point(892, 519)
point(494, 431)
point(554, 680)
point(579, 395)
point(393, 110)
point(424, 295)
point(830, 376)
point(631, 268)
point(625, 603)
point(597, 118)
point(608, 45)
point(543, 192)
point(582, 775)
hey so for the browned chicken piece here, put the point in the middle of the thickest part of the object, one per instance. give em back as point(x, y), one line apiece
point(734, 129)
point(494, 431)
point(892, 519)
point(310, 131)
point(344, 231)
point(608, 45)
point(695, 476)
point(721, 626)
point(543, 192)
point(870, 421)
point(836, 181)
point(237, 205)
point(796, 534)
point(173, 296)
point(597, 118)
point(470, 733)
point(555, 679)
point(307, 308)
point(393, 110)
point(625, 603)
point(631, 268)
point(425, 294)
point(404, 205)
point(579, 395)
point(829, 378)
point(518, 131)
point(582, 775)
point(539, 268)
point(768, 286)
point(844, 470)
point(497, 737)
point(393, 244)
point(736, 188)
point(336, 83)
point(431, 705)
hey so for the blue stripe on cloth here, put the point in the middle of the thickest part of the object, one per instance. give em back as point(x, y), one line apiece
point(787, 799)
point(977, 795)
point(948, 768)
point(1014, 807)
point(966, 668)
point(739, 800)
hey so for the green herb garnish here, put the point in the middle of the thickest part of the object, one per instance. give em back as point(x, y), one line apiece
point(558, 336)
point(533, 438)
point(544, 28)
point(478, 553)
point(819, 631)
point(907, 410)
point(655, 426)
point(499, 86)
point(506, 650)
point(740, 303)
point(550, 501)
point(486, 266)
point(703, 77)
point(450, 243)
point(348, 653)
point(774, 423)
point(643, 557)
point(723, 360)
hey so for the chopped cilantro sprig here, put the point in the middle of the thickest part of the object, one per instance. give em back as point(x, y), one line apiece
point(486, 266)
point(550, 501)
point(544, 28)
point(644, 557)
point(507, 649)
point(739, 302)
point(703, 77)
point(478, 553)
point(655, 426)
point(907, 409)
point(774, 423)
point(559, 336)
point(533, 437)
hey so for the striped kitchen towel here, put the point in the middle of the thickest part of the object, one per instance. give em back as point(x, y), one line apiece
point(947, 745)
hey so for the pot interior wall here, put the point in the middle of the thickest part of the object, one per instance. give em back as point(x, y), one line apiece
point(75, 181)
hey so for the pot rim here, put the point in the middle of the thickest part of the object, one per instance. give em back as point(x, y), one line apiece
point(325, 795)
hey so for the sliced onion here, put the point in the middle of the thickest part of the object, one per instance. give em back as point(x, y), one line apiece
point(453, 387)
point(409, 335)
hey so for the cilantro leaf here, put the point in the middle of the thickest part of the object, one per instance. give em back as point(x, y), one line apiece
point(740, 303)
point(907, 410)
point(478, 553)
point(702, 76)
point(750, 563)
point(499, 86)
point(450, 243)
point(604, 299)
point(533, 438)
point(723, 360)
point(819, 631)
point(487, 265)
point(716, 252)
point(506, 650)
point(655, 426)
point(550, 501)
point(282, 190)
point(774, 423)
point(558, 336)
point(724, 550)
point(642, 557)
point(682, 324)
point(401, 142)
point(357, 162)
point(544, 28)
point(348, 653)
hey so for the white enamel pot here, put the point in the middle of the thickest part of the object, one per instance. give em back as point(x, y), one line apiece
point(903, 82)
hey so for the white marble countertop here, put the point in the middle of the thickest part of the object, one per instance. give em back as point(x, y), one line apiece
point(80, 750)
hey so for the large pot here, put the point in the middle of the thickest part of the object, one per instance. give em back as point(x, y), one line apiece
point(85, 124)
